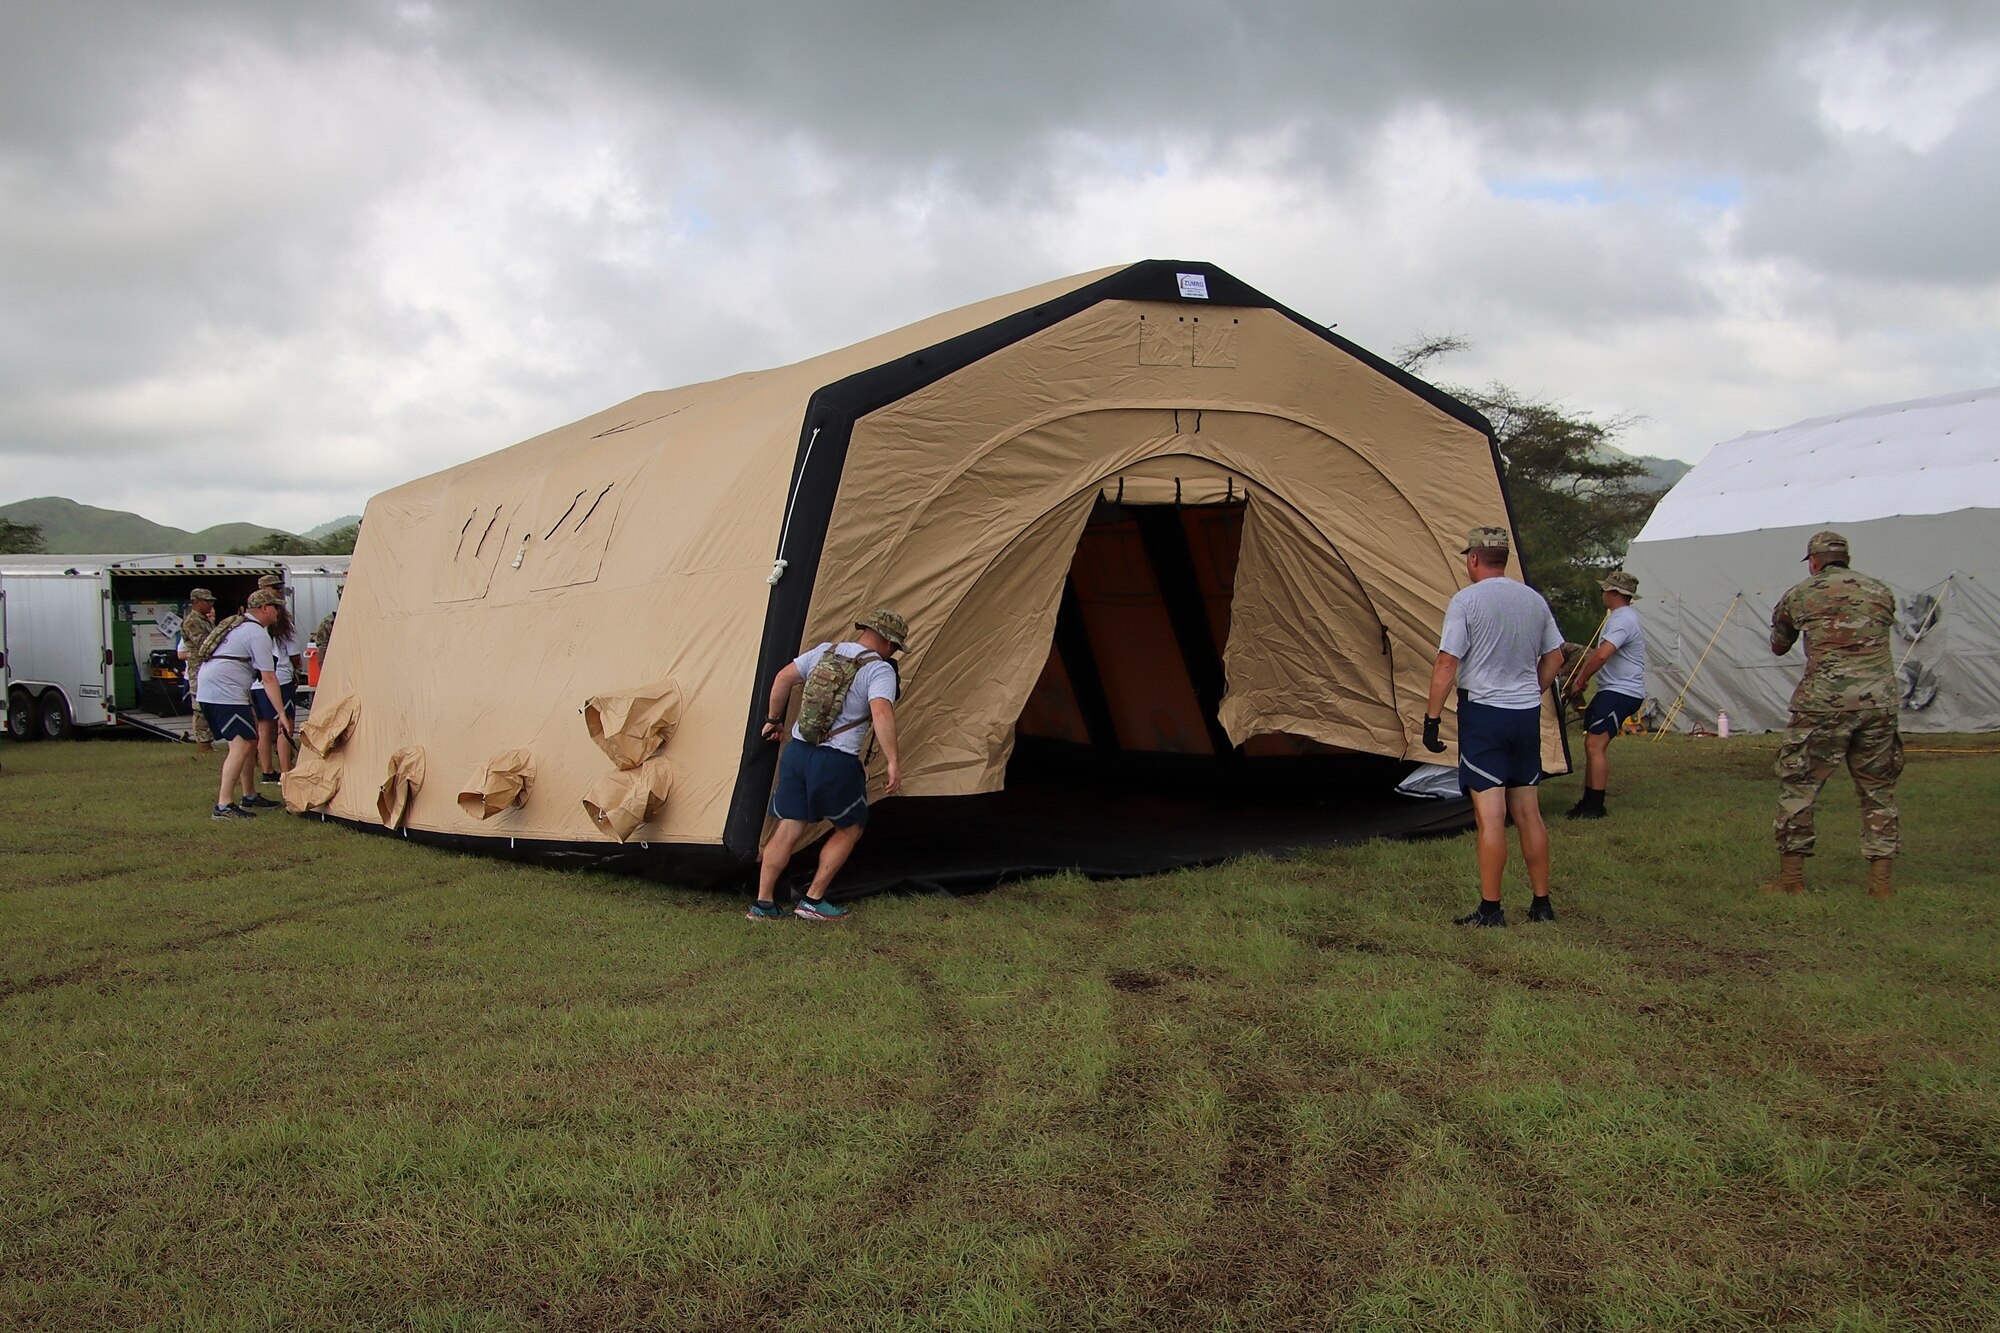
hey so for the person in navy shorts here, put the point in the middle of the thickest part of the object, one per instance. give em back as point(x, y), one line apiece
point(1502, 649)
point(829, 781)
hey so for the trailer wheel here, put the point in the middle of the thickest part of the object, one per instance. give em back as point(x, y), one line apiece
point(21, 717)
point(55, 721)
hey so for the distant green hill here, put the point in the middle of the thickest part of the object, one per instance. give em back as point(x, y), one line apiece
point(327, 529)
point(69, 528)
point(1663, 473)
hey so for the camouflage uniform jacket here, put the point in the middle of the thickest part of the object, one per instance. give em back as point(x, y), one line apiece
point(323, 636)
point(1846, 619)
point(195, 629)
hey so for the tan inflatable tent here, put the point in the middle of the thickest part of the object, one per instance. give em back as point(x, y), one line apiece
point(1145, 522)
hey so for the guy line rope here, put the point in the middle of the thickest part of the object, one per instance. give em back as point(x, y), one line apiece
point(1672, 712)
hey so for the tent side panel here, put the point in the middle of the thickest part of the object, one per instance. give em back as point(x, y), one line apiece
point(1688, 587)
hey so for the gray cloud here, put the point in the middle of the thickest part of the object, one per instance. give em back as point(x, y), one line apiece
point(384, 237)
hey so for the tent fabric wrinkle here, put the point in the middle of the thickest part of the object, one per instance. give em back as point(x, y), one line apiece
point(312, 781)
point(632, 725)
point(624, 799)
point(330, 723)
point(503, 784)
point(399, 789)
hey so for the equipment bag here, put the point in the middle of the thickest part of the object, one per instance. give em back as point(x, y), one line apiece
point(826, 692)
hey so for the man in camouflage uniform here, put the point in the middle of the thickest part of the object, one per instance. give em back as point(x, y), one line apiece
point(196, 626)
point(1844, 710)
point(323, 636)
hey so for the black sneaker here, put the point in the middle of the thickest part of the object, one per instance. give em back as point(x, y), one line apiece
point(1480, 917)
point(231, 812)
point(272, 777)
point(258, 801)
point(1540, 910)
point(1587, 810)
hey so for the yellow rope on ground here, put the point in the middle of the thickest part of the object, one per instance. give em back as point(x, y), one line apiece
point(1577, 665)
point(1675, 710)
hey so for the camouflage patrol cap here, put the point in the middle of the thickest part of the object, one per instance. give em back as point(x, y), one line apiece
point(271, 581)
point(887, 624)
point(1619, 581)
point(1487, 539)
point(265, 597)
point(201, 595)
point(1825, 544)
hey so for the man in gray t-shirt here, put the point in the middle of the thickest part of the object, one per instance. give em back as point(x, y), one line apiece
point(1501, 648)
point(1619, 663)
point(827, 780)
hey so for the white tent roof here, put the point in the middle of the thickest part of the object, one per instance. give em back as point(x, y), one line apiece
point(1929, 456)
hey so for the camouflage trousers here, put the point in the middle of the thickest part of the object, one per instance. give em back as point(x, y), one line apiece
point(202, 735)
point(1815, 745)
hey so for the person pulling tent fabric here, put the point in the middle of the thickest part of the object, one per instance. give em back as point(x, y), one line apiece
point(848, 689)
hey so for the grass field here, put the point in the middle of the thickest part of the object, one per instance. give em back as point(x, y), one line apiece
point(278, 1074)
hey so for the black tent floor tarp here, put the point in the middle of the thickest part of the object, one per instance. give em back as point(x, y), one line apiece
point(1056, 817)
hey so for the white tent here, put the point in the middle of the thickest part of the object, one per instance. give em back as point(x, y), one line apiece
point(1914, 486)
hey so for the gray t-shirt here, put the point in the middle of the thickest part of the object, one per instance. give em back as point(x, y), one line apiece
point(875, 680)
point(1624, 672)
point(1498, 630)
point(227, 672)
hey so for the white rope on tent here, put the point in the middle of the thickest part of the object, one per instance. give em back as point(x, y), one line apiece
point(778, 566)
point(1671, 712)
point(1930, 618)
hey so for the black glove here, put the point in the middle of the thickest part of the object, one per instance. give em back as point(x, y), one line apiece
point(1431, 741)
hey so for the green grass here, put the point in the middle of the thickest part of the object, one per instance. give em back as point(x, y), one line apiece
point(279, 1074)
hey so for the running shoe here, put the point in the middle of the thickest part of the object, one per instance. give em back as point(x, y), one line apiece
point(819, 911)
point(766, 912)
point(1540, 910)
point(258, 801)
point(231, 812)
point(1476, 917)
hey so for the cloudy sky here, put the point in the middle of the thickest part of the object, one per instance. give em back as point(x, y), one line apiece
point(260, 260)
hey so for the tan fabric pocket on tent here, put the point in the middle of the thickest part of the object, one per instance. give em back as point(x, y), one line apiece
point(502, 785)
point(330, 724)
point(619, 802)
point(631, 725)
point(406, 777)
point(313, 782)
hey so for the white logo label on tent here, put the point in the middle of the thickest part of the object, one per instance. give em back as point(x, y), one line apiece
point(1194, 286)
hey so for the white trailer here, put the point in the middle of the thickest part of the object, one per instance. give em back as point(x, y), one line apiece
point(89, 640)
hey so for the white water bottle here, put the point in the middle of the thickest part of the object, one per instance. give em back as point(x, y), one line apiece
point(1722, 723)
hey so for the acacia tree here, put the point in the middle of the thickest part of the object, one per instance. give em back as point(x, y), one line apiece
point(1576, 504)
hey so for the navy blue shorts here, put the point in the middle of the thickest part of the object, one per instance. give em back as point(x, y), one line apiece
point(1498, 747)
point(262, 707)
point(1609, 710)
point(818, 782)
point(231, 722)
point(290, 689)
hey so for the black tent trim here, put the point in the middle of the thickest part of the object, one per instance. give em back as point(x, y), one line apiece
point(828, 427)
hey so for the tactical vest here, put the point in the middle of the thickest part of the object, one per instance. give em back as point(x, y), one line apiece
point(825, 694)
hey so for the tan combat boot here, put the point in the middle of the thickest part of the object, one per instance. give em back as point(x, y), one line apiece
point(1791, 875)
point(1878, 877)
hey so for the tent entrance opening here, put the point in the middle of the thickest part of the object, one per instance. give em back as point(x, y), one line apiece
point(1120, 765)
